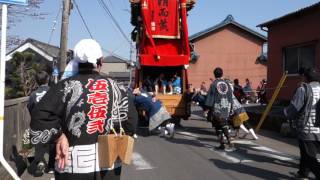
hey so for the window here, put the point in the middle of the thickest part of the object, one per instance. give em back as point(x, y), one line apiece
point(296, 57)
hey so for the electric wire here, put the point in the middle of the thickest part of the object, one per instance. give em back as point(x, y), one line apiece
point(89, 32)
point(54, 25)
point(83, 21)
point(108, 12)
point(88, 29)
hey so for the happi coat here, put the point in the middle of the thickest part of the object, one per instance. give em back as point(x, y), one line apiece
point(82, 107)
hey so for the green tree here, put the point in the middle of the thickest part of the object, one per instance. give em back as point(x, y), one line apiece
point(21, 71)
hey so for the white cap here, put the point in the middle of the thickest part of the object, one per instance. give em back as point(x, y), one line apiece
point(87, 50)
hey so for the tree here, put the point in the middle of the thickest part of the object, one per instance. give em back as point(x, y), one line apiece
point(21, 71)
point(17, 13)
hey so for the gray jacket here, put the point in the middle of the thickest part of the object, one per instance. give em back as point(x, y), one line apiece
point(302, 110)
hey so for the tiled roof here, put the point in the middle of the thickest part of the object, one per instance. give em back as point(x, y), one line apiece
point(229, 20)
point(51, 50)
point(293, 14)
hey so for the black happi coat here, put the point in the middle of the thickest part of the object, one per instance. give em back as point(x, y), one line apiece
point(82, 107)
point(219, 98)
point(36, 96)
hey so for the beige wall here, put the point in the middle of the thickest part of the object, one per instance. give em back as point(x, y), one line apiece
point(231, 49)
point(114, 67)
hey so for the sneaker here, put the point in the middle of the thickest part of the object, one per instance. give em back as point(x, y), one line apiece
point(170, 128)
point(298, 176)
point(51, 171)
point(135, 136)
point(163, 132)
point(40, 169)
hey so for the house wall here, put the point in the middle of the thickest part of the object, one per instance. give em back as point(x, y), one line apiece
point(299, 30)
point(114, 67)
point(233, 50)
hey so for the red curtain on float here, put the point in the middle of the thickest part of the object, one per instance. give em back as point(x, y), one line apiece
point(165, 38)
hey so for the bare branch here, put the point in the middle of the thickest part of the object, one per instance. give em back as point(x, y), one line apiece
point(17, 13)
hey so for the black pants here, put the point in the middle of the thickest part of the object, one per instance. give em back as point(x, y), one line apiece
point(222, 128)
point(40, 150)
point(309, 158)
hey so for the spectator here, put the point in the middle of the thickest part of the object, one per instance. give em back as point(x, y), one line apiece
point(249, 93)
point(200, 98)
point(203, 87)
point(247, 88)
point(262, 92)
point(237, 90)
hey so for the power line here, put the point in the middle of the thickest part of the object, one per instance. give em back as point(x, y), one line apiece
point(108, 12)
point(105, 7)
point(87, 27)
point(54, 25)
point(83, 21)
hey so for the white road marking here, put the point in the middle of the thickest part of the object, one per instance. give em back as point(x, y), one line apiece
point(232, 156)
point(140, 163)
point(236, 157)
point(270, 152)
point(187, 134)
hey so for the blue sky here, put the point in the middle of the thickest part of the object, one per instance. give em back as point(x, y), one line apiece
point(206, 13)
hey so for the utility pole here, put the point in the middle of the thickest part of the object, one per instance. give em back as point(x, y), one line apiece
point(64, 35)
point(130, 65)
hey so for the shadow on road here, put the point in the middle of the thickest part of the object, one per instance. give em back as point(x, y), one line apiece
point(197, 130)
point(250, 170)
point(190, 142)
point(251, 153)
point(277, 136)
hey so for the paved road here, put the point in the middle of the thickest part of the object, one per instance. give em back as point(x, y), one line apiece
point(191, 156)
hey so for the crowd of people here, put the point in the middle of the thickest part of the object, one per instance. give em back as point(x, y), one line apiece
point(225, 111)
point(247, 95)
point(68, 118)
